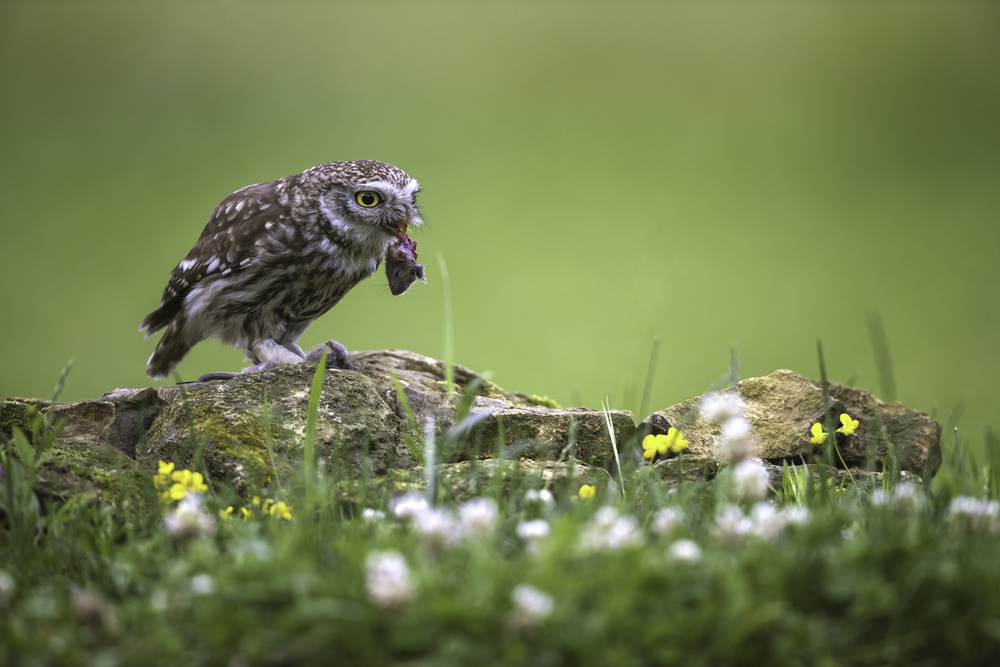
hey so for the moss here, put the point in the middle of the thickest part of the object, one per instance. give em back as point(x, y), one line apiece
point(242, 440)
point(13, 413)
point(543, 401)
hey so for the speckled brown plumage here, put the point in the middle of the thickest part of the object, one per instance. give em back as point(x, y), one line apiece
point(275, 256)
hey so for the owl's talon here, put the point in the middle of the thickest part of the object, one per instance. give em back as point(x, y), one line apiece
point(337, 356)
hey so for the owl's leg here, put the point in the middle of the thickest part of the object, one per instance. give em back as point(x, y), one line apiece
point(336, 357)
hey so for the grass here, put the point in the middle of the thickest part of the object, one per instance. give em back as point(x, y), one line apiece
point(645, 572)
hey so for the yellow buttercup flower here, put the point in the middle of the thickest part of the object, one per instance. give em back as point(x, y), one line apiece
point(660, 444)
point(282, 510)
point(849, 425)
point(587, 491)
point(165, 468)
point(247, 514)
point(818, 434)
point(177, 491)
point(675, 440)
point(226, 513)
point(653, 445)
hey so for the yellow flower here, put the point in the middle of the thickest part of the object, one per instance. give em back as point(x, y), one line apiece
point(676, 441)
point(849, 425)
point(282, 510)
point(177, 491)
point(181, 477)
point(653, 445)
point(247, 514)
point(267, 507)
point(165, 468)
point(197, 483)
point(660, 444)
point(226, 513)
point(587, 491)
point(819, 435)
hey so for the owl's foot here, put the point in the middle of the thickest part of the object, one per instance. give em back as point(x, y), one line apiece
point(336, 357)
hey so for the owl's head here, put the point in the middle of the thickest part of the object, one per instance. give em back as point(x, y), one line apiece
point(365, 198)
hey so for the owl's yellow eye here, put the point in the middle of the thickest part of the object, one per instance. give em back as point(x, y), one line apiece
point(367, 198)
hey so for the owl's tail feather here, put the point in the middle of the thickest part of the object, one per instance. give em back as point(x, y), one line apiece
point(169, 351)
point(162, 316)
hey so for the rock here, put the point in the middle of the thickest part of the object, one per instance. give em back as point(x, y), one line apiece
point(362, 423)
point(783, 406)
point(371, 422)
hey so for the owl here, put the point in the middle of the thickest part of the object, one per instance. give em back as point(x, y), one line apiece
point(275, 256)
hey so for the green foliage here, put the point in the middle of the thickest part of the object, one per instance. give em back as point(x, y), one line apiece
point(860, 579)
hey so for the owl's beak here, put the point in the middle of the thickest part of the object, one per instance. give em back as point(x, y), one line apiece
point(401, 226)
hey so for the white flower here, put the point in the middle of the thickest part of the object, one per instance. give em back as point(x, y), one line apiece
point(608, 531)
point(717, 408)
point(371, 516)
point(533, 533)
point(478, 517)
point(409, 504)
point(685, 551)
point(749, 480)
point(905, 498)
point(795, 515)
point(189, 519)
point(731, 524)
point(388, 580)
point(736, 438)
point(201, 584)
point(977, 514)
point(765, 521)
point(531, 606)
point(666, 519)
point(539, 496)
point(436, 528)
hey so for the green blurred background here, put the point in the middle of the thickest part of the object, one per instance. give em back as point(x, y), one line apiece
point(719, 173)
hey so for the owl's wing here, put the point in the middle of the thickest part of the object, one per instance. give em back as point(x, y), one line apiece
point(227, 244)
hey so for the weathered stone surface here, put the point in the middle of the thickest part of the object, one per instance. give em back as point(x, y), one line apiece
point(783, 406)
point(365, 428)
point(362, 424)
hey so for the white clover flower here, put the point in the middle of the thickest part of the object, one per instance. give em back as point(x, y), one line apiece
point(372, 516)
point(201, 584)
point(608, 531)
point(189, 519)
point(667, 519)
point(765, 521)
point(904, 497)
point(731, 524)
point(408, 505)
point(795, 515)
point(684, 551)
point(533, 533)
point(736, 438)
point(478, 517)
point(983, 515)
point(750, 480)
point(436, 528)
point(388, 580)
point(540, 497)
point(531, 606)
point(718, 408)
point(907, 498)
